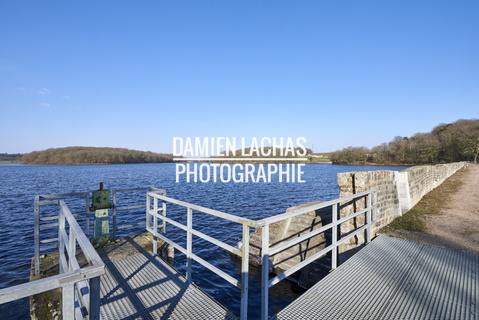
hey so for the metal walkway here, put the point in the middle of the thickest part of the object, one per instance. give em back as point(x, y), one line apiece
point(387, 279)
point(145, 287)
point(395, 279)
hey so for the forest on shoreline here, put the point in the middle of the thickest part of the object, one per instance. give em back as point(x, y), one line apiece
point(10, 158)
point(93, 155)
point(452, 142)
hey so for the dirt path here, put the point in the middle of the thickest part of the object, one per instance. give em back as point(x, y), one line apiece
point(457, 225)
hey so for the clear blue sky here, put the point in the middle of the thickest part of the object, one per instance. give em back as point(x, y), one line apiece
point(134, 74)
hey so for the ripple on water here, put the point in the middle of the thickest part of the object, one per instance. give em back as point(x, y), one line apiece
point(20, 183)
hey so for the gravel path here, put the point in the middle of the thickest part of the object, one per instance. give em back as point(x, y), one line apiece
point(457, 225)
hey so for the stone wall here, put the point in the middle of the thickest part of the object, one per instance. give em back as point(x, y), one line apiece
point(288, 229)
point(398, 191)
point(422, 179)
point(387, 199)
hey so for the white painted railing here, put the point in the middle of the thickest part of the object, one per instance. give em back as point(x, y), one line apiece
point(116, 209)
point(44, 221)
point(154, 199)
point(267, 252)
point(80, 286)
point(157, 220)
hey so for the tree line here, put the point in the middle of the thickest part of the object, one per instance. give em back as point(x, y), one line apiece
point(452, 142)
point(7, 157)
point(93, 155)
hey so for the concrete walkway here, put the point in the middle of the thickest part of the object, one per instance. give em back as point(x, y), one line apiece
point(457, 225)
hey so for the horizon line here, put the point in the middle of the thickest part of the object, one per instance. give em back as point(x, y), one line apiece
point(239, 159)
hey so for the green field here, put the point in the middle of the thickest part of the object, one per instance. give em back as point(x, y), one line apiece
point(323, 157)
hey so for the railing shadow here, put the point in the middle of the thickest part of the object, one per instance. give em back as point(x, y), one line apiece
point(142, 310)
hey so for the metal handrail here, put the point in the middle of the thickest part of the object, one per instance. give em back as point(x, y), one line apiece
point(46, 200)
point(115, 209)
point(52, 199)
point(76, 236)
point(79, 285)
point(152, 226)
point(314, 207)
point(72, 278)
point(267, 252)
point(153, 214)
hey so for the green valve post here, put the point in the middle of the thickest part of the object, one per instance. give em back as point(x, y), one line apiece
point(101, 203)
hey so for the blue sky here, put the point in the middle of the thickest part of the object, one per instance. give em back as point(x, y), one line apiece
point(135, 74)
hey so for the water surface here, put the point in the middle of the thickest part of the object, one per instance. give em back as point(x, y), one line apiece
point(20, 183)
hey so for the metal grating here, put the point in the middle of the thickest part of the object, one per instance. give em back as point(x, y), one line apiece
point(395, 279)
point(144, 287)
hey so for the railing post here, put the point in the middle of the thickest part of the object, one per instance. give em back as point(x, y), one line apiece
point(163, 209)
point(334, 236)
point(189, 243)
point(68, 302)
point(368, 217)
point(113, 216)
point(72, 249)
point(36, 234)
point(155, 225)
point(87, 216)
point(264, 271)
point(94, 298)
point(61, 241)
point(148, 217)
point(244, 273)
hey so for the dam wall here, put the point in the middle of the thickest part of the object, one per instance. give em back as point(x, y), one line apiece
point(398, 191)
point(422, 179)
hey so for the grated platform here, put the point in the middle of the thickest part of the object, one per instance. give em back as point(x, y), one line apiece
point(145, 287)
point(395, 279)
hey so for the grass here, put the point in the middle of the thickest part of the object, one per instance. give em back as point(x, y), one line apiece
point(325, 158)
point(432, 203)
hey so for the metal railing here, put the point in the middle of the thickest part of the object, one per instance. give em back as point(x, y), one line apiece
point(152, 225)
point(156, 212)
point(116, 209)
point(43, 221)
point(80, 286)
point(267, 252)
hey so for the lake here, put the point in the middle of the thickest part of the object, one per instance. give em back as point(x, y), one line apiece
point(20, 183)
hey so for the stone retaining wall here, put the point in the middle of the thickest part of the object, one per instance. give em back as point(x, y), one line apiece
point(422, 179)
point(383, 181)
point(398, 191)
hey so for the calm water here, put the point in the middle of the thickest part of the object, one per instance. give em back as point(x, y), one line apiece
point(20, 183)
